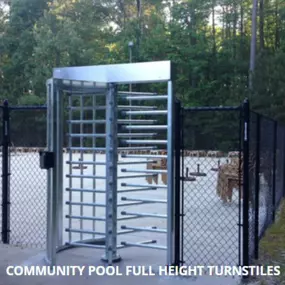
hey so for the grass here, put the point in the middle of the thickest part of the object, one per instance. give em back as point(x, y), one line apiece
point(272, 248)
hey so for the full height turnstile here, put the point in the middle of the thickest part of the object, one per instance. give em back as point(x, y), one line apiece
point(101, 142)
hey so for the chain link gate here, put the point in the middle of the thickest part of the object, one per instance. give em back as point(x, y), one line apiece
point(105, 135)
point(209, 163)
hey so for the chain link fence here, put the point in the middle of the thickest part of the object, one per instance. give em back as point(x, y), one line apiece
point(211, 173)
point(267, 142)
point(26, 219)
point(219, 226)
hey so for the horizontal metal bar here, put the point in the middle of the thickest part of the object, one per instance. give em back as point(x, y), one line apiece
point(86, 121)
point(127, 218)
point(157, 97)
point(86, 93)
point(84, 232)
point(134, 176)
point(143, 245)
point(143, 185)
point(135, 93)
point(137, 148)
point(146, 215)
point(86, 162)
point(144, 200)
point(123, 135)
point(144, 229)
point(86, 218)
point(135, 162)
point(145, 141)
point(125, 232)
point(86, 148)
point(86, 108)
point(80, 244)
point(142, 127)
point(144, 171)
point(86, 135)
point(137, 190)
point(137, 121)
point(85, 190)
point(159, 112)
point(85, 204)
point(85, 176)
point(128, 107)
point(214, 108)
point(143, 156)
point(131, 204)
point(27, 108)
point(98, 233)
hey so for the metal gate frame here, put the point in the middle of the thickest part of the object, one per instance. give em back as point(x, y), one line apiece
point(245, 252)
point(110, 75)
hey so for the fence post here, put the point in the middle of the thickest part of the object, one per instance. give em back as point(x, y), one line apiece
point(256, 190)
point(177, 196)
point(246, 184)
point(274, 171)
point(5, 174)
point(283, 159)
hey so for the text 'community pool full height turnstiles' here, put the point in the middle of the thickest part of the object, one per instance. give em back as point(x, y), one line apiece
point(110, 159)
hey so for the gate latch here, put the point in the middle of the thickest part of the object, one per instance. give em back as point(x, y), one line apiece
point(46, 159)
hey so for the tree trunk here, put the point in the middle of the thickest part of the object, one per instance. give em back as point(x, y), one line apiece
point(277, 33)
point(253, 44)
point(241, 28)
point(261, 25)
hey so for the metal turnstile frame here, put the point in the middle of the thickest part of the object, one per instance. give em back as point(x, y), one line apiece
point(110, 76)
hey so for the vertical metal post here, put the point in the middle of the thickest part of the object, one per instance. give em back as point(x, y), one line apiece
point(283, 159)
point(240, 186)
point(59, 166)
point(53, 194)
point(94, 158)
point(70, 194)
point(5, 175)
point(246, 184)
point(170, 185)
point(111, 175)
point(131, 44)
point(257, 187)
point(274, 171)
point(50, 133)
point(177, 195)
point(182, 188)
point(81, 158)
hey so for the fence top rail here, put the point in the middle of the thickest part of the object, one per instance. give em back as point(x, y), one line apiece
point(23, 108)
point(214, 108)
point(264, 116)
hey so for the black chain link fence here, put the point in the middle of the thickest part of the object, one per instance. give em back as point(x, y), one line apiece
point(26, 220)
point(219, 227)
point(267, 142)
point(211, 174)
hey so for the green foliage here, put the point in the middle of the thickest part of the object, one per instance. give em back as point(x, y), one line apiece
point(211, 56)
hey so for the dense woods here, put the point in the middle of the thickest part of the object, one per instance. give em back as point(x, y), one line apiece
point(208, 40)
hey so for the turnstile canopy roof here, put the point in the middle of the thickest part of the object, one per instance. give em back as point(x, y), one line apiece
point(143, 72)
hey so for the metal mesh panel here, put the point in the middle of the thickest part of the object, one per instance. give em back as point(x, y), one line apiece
point(27, 180)
point(211, 170)
point(253, 183)
point(279, 174)
point(266, 173)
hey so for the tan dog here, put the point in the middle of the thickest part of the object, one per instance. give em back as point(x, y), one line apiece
point(229, 177)
point(157, 165)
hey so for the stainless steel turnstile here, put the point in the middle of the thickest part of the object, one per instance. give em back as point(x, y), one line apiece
point(101, 140)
